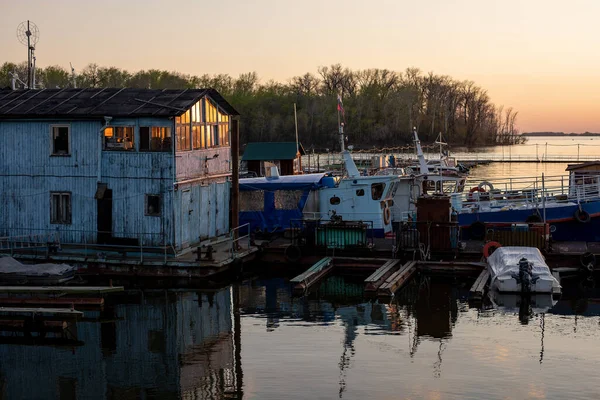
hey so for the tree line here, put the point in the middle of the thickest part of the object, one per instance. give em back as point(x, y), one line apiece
point(381, 107)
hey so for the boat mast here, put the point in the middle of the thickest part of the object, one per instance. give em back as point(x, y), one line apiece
point(422, 163)
point(351, 168)
point(296, 162)
point(340, 109)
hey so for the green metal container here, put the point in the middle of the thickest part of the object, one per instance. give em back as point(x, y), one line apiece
point(341, 237)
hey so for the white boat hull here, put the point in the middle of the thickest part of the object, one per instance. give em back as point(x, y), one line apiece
point(508, 284)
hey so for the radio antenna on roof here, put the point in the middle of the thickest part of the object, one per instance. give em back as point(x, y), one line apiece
point(29, 34)
point(73, 77)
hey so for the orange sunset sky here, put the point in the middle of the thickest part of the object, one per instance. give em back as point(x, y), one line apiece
point(540, 57)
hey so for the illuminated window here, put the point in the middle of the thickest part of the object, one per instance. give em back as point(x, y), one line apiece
point(156, 138)
point(183, 131)
point(197, 113)
point(119, 138)
point(197, 126)
point(197, 136)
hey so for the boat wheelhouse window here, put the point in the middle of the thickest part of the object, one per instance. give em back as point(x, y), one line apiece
point(152, 205)
point(155, 138)
point(60, 208)
point(360, 192)
point(428, 185)
point(118, 138)
point(334, 201)
point(447, 186)
point(377, 190)
point(61, 137)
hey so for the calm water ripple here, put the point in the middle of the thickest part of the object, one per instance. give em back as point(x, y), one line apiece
point(256, 341)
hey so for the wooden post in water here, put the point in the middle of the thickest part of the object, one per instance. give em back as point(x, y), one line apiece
point(544, 200)
point(235, 172)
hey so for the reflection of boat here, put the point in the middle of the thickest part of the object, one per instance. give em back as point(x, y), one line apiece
point(512, 302)
point(517, 269)
point(14, 272)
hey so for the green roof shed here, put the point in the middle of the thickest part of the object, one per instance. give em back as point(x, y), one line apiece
point(267, 151)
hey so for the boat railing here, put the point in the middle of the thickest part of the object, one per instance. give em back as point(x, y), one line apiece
point(239, 242)
point(325, 216)
point(514, 191)
point(136, 245)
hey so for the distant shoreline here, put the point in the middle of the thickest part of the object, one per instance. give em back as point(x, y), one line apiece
point(529, 134)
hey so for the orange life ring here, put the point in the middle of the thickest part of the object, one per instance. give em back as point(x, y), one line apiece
point(470, 197)
point(489, 248)
point(387, 215)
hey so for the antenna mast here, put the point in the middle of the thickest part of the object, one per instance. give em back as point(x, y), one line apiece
point(28, 34)
point(74, 82)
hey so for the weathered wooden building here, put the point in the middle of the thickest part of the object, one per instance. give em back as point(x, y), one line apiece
point(286, 156)
point(117, 166)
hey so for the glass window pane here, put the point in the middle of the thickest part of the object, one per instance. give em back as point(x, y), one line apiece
point(209, 139)
point(119, 138)
point(196, 136)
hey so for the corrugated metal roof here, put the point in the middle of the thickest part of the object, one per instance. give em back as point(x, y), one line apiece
point(114, 102)
point(260, 151)
point(574, 167)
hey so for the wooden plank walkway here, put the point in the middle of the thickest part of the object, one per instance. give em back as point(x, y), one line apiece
point(62, 289)
point(397, 279)
point(312, 275)
point(55, 312)
point(54, 301)
point(378, 277)
point(478, 288)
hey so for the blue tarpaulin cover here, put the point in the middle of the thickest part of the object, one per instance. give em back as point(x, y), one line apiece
point(270, 218)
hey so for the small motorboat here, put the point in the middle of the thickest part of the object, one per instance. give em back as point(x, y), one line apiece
point(516, 269)
point(16, 273)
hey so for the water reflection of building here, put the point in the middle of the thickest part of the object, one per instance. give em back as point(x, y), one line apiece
point(168, 346)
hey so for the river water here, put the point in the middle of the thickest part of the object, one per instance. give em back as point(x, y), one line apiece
point(254, 340)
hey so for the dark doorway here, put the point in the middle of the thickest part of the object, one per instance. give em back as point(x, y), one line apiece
point(105, 217)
